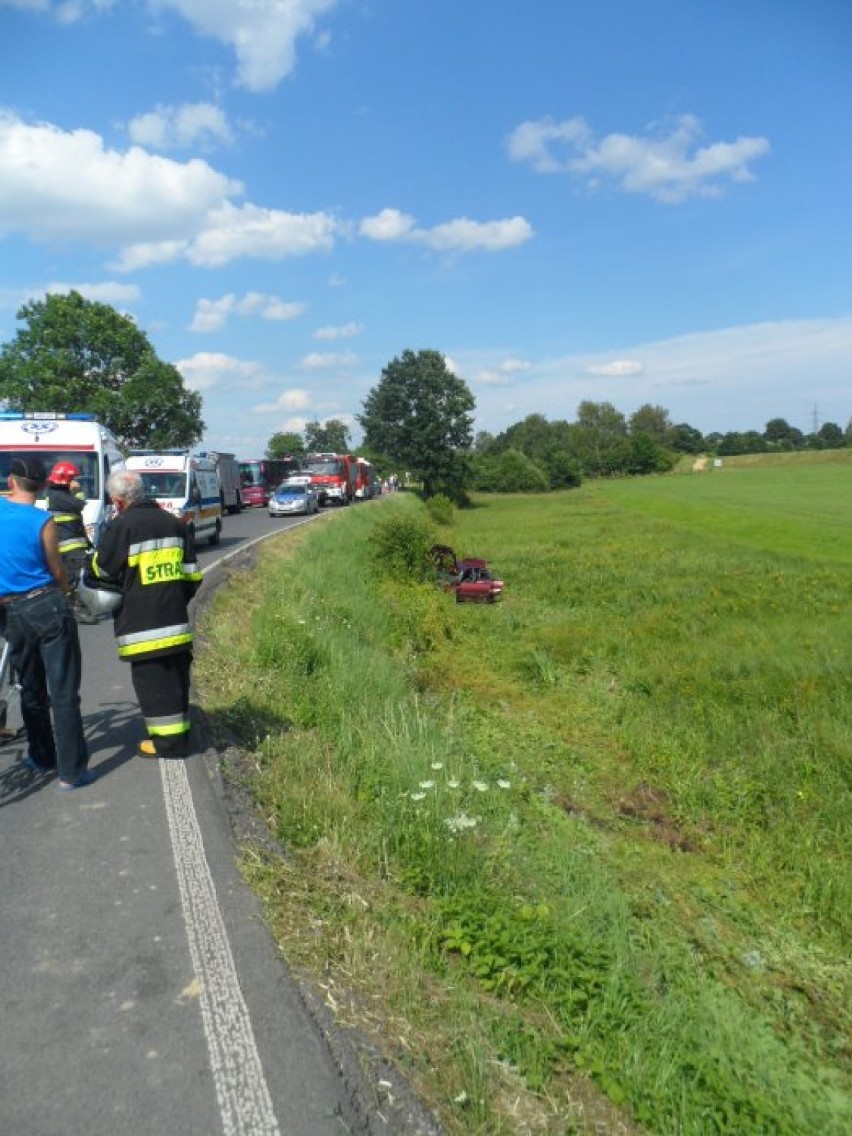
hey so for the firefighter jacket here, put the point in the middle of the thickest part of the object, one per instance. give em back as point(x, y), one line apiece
point(152, 554)
point(66, 508)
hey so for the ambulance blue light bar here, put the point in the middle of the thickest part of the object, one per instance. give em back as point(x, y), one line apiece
point(43, 415)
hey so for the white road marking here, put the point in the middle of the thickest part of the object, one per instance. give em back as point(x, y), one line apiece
point(241, 1089)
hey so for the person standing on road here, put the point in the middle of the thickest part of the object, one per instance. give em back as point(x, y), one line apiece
point(152, 555)
point(36, 619)
point(66, 502)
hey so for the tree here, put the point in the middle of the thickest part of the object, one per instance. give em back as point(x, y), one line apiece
point(653, 421)
point(831, 435)
point(685, 439)
point(420, 415)
point(782, 435)
point(283, 445)
point(76, 355)
point(332, 437)
point(599, 438)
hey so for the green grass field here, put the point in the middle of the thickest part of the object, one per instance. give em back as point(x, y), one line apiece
point(580, 858)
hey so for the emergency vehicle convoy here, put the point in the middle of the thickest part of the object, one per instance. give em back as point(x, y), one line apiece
point(74, 438)
point(184, 484)
point(334, 476)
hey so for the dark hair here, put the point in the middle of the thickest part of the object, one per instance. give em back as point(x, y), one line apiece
point(29, 471)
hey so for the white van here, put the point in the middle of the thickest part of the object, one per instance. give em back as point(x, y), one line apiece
point(184, 485)
point(76, 438)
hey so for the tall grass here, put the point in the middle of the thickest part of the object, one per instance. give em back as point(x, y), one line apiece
point(603, 825)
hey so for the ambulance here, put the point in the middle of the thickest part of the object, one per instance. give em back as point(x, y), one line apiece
point(76, 438)
point(183, 484)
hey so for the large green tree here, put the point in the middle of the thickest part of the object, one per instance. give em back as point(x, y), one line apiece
point(77, 355)
point(329, 437)
point(421, 416)
point(286, 445)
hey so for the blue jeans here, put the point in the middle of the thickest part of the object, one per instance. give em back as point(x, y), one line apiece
point(45, 658)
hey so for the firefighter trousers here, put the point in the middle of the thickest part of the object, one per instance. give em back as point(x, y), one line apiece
point(162, 688)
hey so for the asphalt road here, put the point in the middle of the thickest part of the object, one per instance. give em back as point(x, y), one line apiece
point(140, 993)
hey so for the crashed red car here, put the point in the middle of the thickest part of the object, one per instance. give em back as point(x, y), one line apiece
point(469, 578)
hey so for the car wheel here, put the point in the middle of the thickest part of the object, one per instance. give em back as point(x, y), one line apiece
point(217, 532)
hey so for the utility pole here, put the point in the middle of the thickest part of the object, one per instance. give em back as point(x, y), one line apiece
point(815, 420)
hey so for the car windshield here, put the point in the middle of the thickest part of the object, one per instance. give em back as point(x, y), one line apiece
point(87, 463)
point(161, 483)
point(323, 467)
point(290, 491)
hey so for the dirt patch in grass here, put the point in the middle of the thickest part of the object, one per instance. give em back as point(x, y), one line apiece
point(650, 806)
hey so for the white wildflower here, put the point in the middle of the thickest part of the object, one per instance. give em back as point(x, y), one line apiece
point(453, 784)
point(427, 784)
point(480, 786)
point(417, 796)
point(505, 784)
point(461, 822)
point(437, 765)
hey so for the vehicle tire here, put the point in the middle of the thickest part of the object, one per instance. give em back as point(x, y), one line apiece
point(217, 532)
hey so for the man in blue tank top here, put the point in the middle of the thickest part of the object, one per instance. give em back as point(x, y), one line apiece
point(36, 620)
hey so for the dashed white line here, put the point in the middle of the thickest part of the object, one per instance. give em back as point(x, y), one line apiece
point(241, 1089)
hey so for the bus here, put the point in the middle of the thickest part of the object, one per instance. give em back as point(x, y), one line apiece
point(260, 476)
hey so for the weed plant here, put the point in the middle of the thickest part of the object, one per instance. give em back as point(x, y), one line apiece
point(583, 853)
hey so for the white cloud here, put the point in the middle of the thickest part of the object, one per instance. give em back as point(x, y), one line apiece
point(669, 167)
point(292, 399)
point(211, 315)
point(460, 235)
point(388, 225)
point(534, 142)
point(105, 292)
point(65, 11)
point(345, 331)
point(262, 33)
point(620, 368)
point(230, 233)
point(180, 127)
point(504, 374)
point(60, 185)
point(66, 185)
point(208, 369)
point(323, 361)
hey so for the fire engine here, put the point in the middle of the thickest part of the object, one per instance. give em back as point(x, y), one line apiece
point(333, 475)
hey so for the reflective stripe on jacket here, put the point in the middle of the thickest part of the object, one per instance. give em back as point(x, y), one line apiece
point(66, 508)
point(152, 554)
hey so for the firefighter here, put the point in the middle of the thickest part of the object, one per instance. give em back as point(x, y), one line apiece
point(66, 501)
point(152, 555)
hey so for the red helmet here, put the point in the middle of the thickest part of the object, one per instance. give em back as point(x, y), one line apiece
point(63, 473)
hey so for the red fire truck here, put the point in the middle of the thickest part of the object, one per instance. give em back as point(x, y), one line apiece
point(334, 477)
point(366, 480)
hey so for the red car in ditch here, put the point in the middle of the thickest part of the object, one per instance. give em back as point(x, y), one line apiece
point(469, 578)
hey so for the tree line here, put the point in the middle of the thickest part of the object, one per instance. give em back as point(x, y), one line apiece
point(77, 355)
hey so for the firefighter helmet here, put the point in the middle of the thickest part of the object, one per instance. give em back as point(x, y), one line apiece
point(63, 473)
point(97, 597)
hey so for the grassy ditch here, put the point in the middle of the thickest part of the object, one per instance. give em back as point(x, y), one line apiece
point(580, 860)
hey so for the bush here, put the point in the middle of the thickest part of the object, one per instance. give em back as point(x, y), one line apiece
point(511, 472)
point(440, 509)
point(401, 543)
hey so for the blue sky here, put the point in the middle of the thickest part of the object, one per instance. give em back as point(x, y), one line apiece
point(633, 201)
